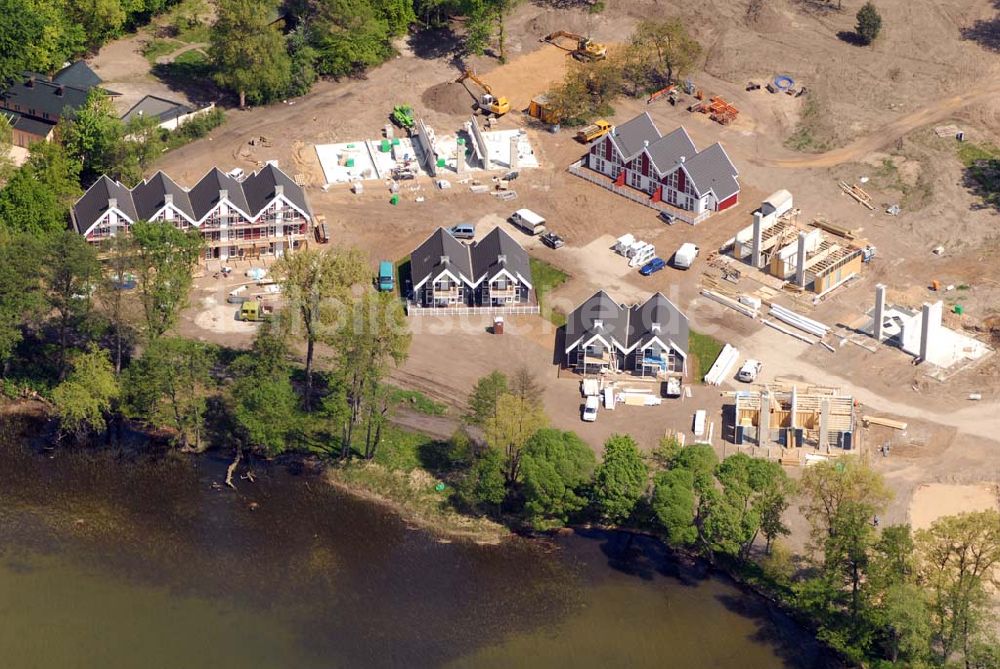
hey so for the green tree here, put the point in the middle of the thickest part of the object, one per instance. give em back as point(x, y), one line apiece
point(20, 294)
point(483, 486)
point(316, 286)
point(516, 420)
point(37, 197)
point(87, 394)
point(95, 136)
point(70, 273)
point(666, 50)
point(556, 466)
point(869, 23)
point(114, 302)
point(752, 488)
point(959, 558)
point(169, 386)
point(901, 616)
point(249, 55)
point(264, 402)
point(486, 19)
point(673, 503)
point(162, 261)
point(348, 36)
point(485, 395)
point(19, 29)
point(620, 480)
point(828, 485)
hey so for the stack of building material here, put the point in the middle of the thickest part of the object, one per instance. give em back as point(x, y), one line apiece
point(799, 321)
point(723, 365)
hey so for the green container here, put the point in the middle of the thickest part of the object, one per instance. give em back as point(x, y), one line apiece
point(441, 162)
point(394, 199)
point(461, 141)
point(384, 147)
point(959, 309)
point(349, 162)
point(395, 141)
point(350, 146)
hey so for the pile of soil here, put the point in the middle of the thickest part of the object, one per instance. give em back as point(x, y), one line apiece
point(448, 98)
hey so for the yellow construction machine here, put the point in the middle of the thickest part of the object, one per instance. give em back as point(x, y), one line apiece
point(586, 48)
point(489, 103)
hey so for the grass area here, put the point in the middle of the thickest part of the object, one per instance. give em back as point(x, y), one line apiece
point(417, 401)
point(191, 58)
point(159, 47)
point(703, 349)
point(547, 278)
point(982, 162)
point(814, 133)
point(199, 34)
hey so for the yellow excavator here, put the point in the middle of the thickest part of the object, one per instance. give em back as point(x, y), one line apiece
point(489, 103)
point(586, 48)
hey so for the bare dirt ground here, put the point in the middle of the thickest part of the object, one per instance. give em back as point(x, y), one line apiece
point(937, 500)
point(935, 63)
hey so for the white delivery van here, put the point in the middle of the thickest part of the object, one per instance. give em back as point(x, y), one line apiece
point(685, 255)
point(590, 387)
point(699, 422)
point(528, 221)
point(590, 409)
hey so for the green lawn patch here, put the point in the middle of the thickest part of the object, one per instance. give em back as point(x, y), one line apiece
point(417, 401)
point(547, 278)
point(703, 349)
point(159, 47)
point(982, 164)
point(193, 57)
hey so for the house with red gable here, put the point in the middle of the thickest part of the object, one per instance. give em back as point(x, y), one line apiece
point(666, 172)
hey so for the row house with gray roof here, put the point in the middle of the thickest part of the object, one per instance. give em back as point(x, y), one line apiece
point(266, 214)
point(669, 169)
point(492, 273)
point(648, 339)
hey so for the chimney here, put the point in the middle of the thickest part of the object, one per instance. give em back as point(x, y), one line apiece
point(279, 189)
point(444, 260)
point(112, 202)
point(645, 142)
point(683, 158)
point(655, 327)
point(223, 194)
point(60, 90)
point(502, 259)
point(168, 198)
point(598, 323)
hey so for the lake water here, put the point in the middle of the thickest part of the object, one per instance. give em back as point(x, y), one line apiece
point(113, 561)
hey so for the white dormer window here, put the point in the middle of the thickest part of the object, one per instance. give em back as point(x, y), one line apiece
point(598, 323)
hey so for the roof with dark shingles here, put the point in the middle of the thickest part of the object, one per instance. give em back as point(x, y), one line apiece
point(669, 149)
point(150, 196)
point(44, 97)
point(673, 325)
point(486, 256)
point(94, 203)
point(33, 126)
point(205, 195)
point(157, 107)
point(259, 189)
point(712, 170)
point(426, 260)
point(613, 316)
point(78, 75)
point(632, 135)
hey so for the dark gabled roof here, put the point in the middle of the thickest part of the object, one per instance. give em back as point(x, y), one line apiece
point(669, 149)
point(658, 317)
point(632, 136)
point(205, 195)
point(32, 126)
point(260, 189)
point(486, 257)
point(157, 107)
point(613, 316)
point(79, 75)
point(36, 97)
point(150, 196)
point(427, 261)
point(712, 170)
point(95, 202)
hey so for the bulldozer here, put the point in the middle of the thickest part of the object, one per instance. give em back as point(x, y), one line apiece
point(586, 50)
point(487, 102)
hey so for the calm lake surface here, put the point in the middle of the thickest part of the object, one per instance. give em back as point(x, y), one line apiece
point(112, 561)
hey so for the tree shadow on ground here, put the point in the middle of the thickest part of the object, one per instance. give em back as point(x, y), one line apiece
point(984, 32)
point(642, 556)
point(193, 79)
point(982, 179)
point(816, 7)
point(851, 37)
point(435, 42)
point(563, 4)
point(790, 642)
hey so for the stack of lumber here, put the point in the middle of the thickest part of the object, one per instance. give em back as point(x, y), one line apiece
point(858, 194)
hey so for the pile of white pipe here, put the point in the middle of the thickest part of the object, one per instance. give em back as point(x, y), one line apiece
point(723, 365)
point(799, 321)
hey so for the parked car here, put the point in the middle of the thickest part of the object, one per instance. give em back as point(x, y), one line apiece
point(463, 231)
point(667, 217)
point(671, 387)
point(590, 408)
point(528, 221)
point(552, 240)
point(386, 276)
point(749, 371)
point(685, 255)
point(510, 176)
point(700, 416)
point(653, 266)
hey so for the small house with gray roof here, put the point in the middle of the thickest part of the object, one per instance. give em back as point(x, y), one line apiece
point(492, 273)
point(668, 169)
point(265, 214)
point(648, 339)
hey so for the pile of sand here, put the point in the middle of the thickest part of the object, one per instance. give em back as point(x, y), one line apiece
point(448, 98)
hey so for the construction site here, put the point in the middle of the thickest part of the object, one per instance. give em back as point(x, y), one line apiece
point(789, 284)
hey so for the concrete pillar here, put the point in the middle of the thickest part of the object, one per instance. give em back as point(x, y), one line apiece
point(824, 424)
point(800, 267)
point(879, 312)
point(925, 331)
point(764, 420)
point(513, 152)
point(460, 159)
point(794, 406)
point(758, 234)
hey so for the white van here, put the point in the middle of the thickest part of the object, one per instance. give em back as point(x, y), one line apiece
point(699, 422)
point(590, 409)
point(528, 221)
point(685, 255)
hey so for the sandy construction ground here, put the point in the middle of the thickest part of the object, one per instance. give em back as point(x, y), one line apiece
point(937, 500)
